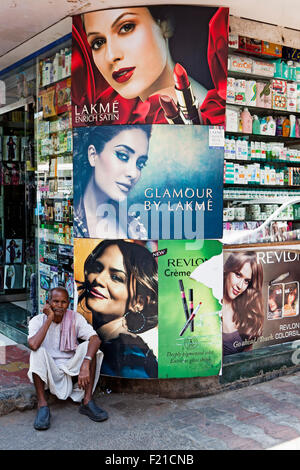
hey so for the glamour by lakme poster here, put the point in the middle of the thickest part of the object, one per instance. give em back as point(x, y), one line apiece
point(145, 65)
point(148, 182)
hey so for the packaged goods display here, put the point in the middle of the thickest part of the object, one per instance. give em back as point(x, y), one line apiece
point(262, 141)
point(54, 166)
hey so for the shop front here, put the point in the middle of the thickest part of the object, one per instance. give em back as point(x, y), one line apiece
point(132, 174)
point(18, 193)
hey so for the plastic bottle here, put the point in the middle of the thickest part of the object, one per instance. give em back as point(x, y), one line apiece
point(257, 150)
point(244, 149)
point(238, 150)
point(232, 149)
point(246, 119)
point(256, 125)
point(286, 127)
point(263, 126)
point(263, 150)
point(271, 126)
point(297, 128)
point(279, 123)
point(253, 151)
point(227, 148)
point(55, 67)
point(292, 125)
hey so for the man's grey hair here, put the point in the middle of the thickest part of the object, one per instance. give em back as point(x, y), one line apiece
point(59, 288)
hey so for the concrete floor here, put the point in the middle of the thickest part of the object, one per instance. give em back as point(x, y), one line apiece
point(258, 417)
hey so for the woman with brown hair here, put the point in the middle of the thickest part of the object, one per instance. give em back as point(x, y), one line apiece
point(242, 310)
point(120, 290)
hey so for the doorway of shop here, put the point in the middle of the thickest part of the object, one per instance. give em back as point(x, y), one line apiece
point(17, 220)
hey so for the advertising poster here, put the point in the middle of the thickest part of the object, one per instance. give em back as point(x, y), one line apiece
point(150, 65)
point(11, 148)
point(189, 349)
point(14, 250)
point(148, 182)
point(130, 292)
point(261, 298)
point(13, 276)
point(117, 285)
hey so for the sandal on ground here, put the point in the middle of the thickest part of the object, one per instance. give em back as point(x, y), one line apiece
point(42, 420)
point(93, 411)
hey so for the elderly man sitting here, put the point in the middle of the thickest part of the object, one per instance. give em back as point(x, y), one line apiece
point(56, 358)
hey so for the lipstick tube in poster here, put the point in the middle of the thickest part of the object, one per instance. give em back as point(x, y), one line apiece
point(189, 321)
point(183, 298)
point(171, 111)
point(187, 103)
point(191, 306)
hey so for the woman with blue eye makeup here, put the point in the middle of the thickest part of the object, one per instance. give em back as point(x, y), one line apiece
point(120, 290)
point(242, 310)
point(108, 163)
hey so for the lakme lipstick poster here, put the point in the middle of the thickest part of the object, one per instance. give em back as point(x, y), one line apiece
point(154, 304)
point(261, 297)
point(148, 182)
point(150, 65)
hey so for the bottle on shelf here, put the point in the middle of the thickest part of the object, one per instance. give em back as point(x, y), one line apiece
point(292, 125)
point(256, 125)
point(286, 127)
point(246, 120)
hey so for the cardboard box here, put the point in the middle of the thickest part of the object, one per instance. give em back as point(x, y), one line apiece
point(233, 41)
point(279, 102)
point(267, 69)
point(241, 64)
point(253, 45)
point(269, 48)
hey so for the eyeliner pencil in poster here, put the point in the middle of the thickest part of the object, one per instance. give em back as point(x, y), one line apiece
point(187, 103)
point(183, 298)
point(190, 319)
point(191, 306)
point(171, 111)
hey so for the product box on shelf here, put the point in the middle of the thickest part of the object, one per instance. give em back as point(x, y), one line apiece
point(241, 64)
point(240, 91)
point(63, 96)
point(264, 68)
point(233, 41)
point(271, 49)
point(264, 94)
point(250, 45)
point(48, 102)
point(251, 93)
point(279, 95)
point(230, 97)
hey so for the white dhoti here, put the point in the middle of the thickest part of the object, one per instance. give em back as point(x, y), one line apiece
point(58, 378)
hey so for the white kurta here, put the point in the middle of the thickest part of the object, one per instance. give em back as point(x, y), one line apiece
point(56, 368)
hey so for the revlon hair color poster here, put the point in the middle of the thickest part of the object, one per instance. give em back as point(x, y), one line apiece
point(127, 289)
point(261, 296)
point(148, 182)
point(144, 65)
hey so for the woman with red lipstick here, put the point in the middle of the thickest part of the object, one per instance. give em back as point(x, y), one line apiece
point(242, 310)
point(131, 56)
point(108, 162)
point(120, 290)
